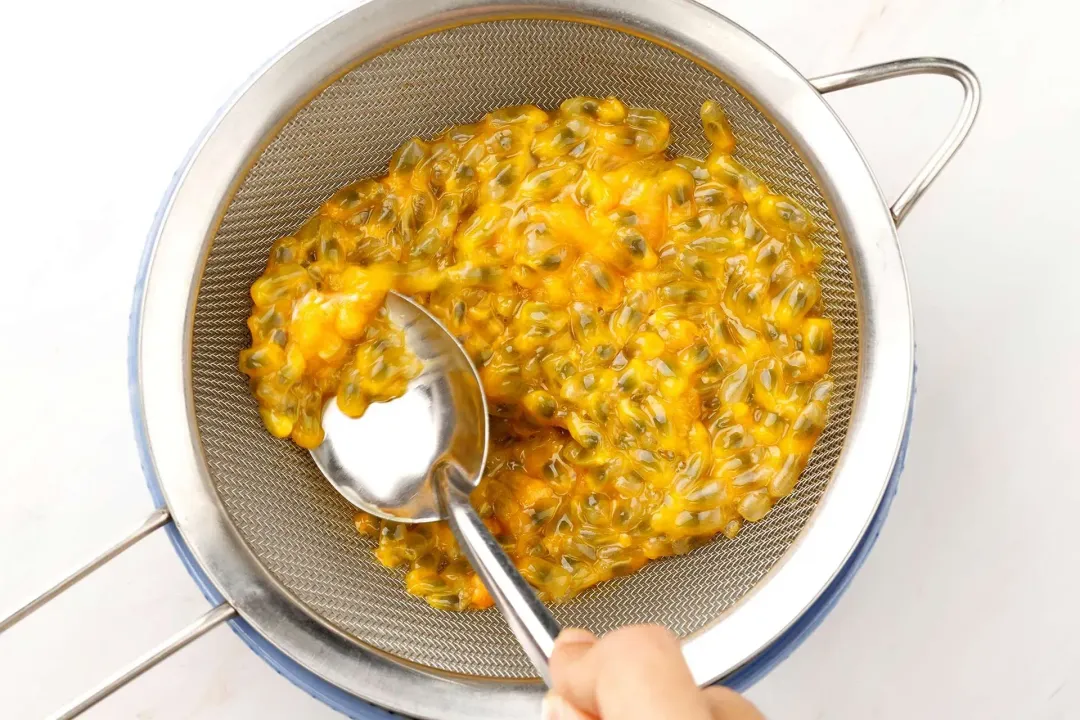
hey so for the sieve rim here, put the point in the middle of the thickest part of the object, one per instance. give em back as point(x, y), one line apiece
point(162, 377)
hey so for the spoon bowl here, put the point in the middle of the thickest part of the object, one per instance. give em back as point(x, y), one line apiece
point(385, 462)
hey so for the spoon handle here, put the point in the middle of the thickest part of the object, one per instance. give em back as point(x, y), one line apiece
point(527, 617)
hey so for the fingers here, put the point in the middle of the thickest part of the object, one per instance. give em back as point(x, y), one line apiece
point(725, 704)
point(556, 708)
point(635, 673)
point(570, 646)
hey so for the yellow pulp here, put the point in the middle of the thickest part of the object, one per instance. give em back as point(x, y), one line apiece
point(647, 330)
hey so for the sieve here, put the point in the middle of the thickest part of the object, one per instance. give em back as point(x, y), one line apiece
point(271, 544)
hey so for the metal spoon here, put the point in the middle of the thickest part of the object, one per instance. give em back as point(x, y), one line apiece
point(417, 459)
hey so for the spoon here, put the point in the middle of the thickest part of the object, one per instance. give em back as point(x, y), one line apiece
point(417, 458)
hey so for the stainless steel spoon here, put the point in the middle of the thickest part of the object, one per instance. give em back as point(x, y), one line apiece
point(417, 459)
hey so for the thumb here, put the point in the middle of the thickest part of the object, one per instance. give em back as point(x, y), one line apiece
point(570, 647)
point(634, 673)
point(555, 707)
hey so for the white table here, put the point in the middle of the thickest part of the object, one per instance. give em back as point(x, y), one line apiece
point(968, 606)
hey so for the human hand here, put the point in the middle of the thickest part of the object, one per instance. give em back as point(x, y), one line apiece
point(633, 673)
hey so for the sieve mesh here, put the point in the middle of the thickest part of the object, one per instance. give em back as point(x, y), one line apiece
point(291, 519)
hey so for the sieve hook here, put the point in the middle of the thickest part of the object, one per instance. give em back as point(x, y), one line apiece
point(211, 619)
point(969, 108)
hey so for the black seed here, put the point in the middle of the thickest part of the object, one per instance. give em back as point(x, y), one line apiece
point(602, 279)
point(505, 176)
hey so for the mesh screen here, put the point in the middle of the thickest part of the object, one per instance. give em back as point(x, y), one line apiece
point(291, 518)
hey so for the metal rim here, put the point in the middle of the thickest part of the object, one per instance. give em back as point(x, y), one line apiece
point(189, 218)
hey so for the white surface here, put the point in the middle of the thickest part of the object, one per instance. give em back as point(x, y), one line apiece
point(966, 608)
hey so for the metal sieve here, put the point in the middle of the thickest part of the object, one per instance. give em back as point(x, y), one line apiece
point(267, 538)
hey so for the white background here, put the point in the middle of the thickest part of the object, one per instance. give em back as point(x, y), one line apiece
point(968, 606)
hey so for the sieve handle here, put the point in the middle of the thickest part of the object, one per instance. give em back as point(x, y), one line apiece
point(969, 108)
point(531, 622)
point(213, 618)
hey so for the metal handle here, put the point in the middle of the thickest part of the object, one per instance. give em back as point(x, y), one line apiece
point(969, 108)
point(527, 617)
point(213, 618)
